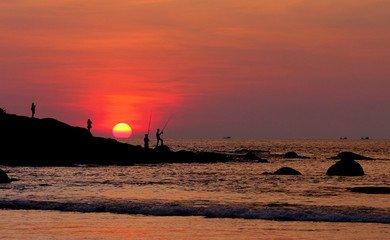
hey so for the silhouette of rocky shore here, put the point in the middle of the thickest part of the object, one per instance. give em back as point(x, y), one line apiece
point(29, 141)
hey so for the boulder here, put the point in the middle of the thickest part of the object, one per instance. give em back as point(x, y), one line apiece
point(284, 171)
point(292, 154)
point(245, 150)
point(350, 155)
point(252, 156)
point(345, 167)
point(287, 171)
point(4, 177)
point(370, 190)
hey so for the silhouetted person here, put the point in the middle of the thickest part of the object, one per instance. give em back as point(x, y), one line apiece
point(89, 125)
point(146, 141)
point(158, 136)
point(33, 107)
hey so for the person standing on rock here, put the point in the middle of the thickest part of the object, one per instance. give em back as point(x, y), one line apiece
point(89, 125)
point(158, 136)
point(33, 107)
point(146, 142)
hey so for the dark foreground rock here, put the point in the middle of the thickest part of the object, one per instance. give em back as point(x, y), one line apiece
point(284, 171)
point(350, 155)
point(370, 190)
point(254, 157)
point(4, 177)
point(345, 167)
point(291, 155)
point(49, 142)
point(256, 151)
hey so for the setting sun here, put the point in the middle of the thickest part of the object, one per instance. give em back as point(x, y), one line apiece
point(122, 130)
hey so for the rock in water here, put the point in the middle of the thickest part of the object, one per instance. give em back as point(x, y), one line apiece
point(370, 190)
point(286, 171)
point(351, 155)
point(345, 167)
point(252, 156)
point(291, 154)
point(4, 177)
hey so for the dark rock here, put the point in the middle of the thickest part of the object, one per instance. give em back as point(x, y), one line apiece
point(4, 177)
point(256, 151)
point(370, 190)
point(345, 167)
point(253, 157)
point(284, 171)
point(250, 156)
point(29, 141)
point(291, 155)
point(209, 157)
point(163, 148)
point(287, 171)
point(350, 155)
point(261, 160)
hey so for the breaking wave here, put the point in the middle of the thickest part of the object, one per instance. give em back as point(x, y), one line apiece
point(278, 212)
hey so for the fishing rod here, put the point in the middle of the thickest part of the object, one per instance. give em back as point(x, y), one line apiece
point(150, 120)
point(166, 123)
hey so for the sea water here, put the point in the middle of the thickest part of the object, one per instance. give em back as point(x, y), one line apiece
point(203, 201)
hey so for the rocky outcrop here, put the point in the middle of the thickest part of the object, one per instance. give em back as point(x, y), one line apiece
point(251, 156)
point(291, 155)
point(162, 149)
point(284, 171)
point(49, 142)
point(350, 155)
point(4, 177)
point(345, 167)
point(370, 190)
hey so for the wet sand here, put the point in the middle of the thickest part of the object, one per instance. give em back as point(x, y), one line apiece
point(22, 224)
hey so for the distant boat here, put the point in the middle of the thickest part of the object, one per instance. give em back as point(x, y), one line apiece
point(227, 137)
point(364, 138)
point(343, 138)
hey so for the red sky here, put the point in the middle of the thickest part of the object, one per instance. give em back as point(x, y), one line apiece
point(261, 68)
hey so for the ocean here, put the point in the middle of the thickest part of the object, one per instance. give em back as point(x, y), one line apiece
point(203, 201)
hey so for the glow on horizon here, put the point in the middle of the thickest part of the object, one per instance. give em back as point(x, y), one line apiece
point(298, 68)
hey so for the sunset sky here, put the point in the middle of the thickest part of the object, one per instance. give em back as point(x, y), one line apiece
point(241, 68)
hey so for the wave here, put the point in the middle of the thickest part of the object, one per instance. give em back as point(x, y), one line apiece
point(279, 212)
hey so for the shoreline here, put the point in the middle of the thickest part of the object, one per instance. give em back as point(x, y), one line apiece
point(61, 225)
point(270, 212)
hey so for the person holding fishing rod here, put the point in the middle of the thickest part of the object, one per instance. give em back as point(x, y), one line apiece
point(158, 136)
point(146, 138)
point(159, 133)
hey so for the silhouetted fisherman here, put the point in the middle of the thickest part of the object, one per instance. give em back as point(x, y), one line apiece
point(158, 136)
point(89, 125)
point(146, 141)
point(33, 107)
